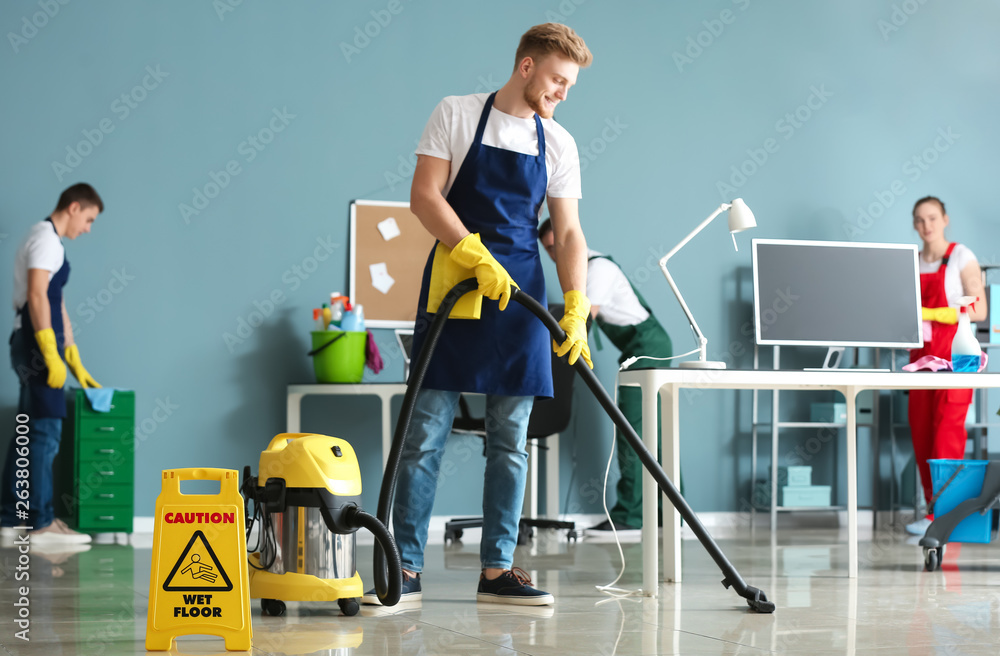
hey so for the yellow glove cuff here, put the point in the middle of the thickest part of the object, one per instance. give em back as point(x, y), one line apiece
point(470, 251)
point(577, 304)
point(46, 339)
point(941, 314)
point(76, 366)
point(72, 354)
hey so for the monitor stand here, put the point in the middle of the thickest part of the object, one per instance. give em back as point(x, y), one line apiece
point(834, 356)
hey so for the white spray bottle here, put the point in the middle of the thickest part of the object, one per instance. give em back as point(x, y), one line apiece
point(965, 350)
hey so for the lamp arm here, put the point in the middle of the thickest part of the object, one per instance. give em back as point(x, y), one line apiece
point(699, 336)
point(701, 226)
point(700, 339)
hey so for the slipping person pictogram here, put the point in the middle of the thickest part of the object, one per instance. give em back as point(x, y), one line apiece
point(200, 570)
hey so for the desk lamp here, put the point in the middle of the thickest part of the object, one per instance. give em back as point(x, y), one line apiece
point(740, 219)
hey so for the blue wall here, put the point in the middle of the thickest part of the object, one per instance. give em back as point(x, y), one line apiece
point(839, 98)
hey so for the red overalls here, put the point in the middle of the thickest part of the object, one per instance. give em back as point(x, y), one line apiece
point(937, 417)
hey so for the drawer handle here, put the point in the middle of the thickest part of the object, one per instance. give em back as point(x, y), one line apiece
point(106, 473)
point(106, 518)
point(105, 450)
point(105, 496)
point(106, 429)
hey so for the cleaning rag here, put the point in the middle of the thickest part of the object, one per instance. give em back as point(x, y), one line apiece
point(934, 363)
point(100, 398)
point(373, 359)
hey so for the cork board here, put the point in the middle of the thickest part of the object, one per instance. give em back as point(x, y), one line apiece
point(403, 256)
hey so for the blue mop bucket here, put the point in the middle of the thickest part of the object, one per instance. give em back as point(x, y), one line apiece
point(967, 484)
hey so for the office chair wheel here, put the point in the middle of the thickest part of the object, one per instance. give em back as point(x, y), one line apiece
point(454, 535)
point(273, 607)
point(572, 535)
point(931, 559)
point(349, 606)
point(524, 535)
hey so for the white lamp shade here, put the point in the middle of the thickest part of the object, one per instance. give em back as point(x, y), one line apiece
point(740, 217)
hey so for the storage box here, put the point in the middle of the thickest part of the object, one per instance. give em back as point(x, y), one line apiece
point(805, 496)
point(828, 412)
point(796, 476)
point(967, 484)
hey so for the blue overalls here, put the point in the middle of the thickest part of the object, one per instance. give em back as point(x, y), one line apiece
point(504, 355)
point(45, 408)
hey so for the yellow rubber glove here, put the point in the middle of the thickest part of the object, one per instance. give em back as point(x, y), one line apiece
point(574, 322)
point(46, 339)
point(494, 281)
point(941, 314)
point(76, 366)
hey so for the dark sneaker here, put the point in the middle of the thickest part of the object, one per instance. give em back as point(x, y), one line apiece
point(618, 526)
point(411, 591)
point(512, 587)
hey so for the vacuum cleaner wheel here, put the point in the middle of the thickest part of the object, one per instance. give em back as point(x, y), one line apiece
point(273, 607)
point(349, 606)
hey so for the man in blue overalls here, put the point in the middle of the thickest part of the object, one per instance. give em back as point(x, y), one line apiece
point(41, 330)
point(485, 164)
point(623, 315)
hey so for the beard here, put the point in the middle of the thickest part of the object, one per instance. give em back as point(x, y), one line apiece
point(534, 95)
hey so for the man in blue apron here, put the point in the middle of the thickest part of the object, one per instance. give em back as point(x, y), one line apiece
point(41, 330)
point(623, 315)
point(485, 164)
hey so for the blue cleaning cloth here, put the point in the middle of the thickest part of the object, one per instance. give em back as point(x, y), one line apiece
point(100, 398)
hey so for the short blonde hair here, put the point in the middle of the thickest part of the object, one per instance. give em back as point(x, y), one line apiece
point(548, 38)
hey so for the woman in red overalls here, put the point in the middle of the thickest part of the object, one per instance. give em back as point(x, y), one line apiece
point(947, 272)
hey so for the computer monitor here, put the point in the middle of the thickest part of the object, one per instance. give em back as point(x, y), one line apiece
point(825, 293)
point(404, 337)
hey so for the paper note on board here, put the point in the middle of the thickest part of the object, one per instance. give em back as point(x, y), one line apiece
point(381, 280)
point(388, 228)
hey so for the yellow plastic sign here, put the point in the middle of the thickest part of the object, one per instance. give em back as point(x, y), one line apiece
point(199, 582)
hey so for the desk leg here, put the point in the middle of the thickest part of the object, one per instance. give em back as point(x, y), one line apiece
point(552, 477)
point(670, 397)
point(650, 495)
point(387, 427)
point(293, 420)
point(850, 394)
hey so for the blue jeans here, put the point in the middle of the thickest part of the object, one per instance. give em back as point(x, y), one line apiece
point(43, 436)
point(503, 485)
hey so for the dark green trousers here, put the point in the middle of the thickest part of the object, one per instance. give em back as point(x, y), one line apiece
point(628, 507)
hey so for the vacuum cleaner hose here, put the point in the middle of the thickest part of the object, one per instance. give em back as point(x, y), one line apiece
point(388, 489)
point(360, 519)
point(755, 598)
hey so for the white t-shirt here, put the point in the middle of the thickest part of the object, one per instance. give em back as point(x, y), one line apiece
point(609, 289)
point(41, 249)
point(960, 258)
point(452, 127)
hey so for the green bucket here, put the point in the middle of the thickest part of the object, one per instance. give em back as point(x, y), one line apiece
point(343, 361)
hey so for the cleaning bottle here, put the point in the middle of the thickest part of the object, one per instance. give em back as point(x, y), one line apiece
point(327, 316)
point(354, 320)
point(318, 318)
point(965, 350)
point(337, 315)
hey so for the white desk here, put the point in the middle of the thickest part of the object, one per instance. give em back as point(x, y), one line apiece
point(385, 392)
point(667, 383)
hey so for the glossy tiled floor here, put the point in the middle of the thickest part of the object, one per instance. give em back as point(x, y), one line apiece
point(95, 602)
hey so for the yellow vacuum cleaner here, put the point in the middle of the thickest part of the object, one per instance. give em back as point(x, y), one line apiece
point(306, 506)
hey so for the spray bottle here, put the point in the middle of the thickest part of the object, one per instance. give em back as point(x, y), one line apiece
point(965, 350)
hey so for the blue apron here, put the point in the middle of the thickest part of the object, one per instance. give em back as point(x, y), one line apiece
point(498, 194)
point(29, 365)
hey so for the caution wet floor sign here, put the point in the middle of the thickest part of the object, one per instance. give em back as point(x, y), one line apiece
point(199, 582)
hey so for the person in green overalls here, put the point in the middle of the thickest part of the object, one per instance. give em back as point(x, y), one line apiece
point(626, 319)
